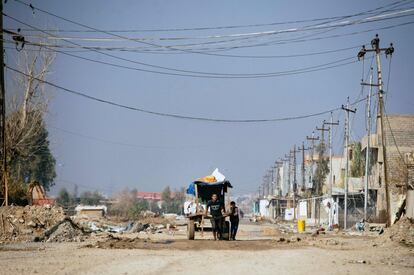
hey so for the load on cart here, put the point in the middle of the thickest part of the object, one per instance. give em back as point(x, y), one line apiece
point(199, 193)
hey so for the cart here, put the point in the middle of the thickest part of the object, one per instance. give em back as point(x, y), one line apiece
point(203, 192)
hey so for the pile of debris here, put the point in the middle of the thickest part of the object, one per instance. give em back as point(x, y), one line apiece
point(401, 232)
point(19, 223)
point(43, 223)
point(137, 226)
point(64, 231)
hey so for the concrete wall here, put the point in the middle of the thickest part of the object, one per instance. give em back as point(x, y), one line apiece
point(399, 140)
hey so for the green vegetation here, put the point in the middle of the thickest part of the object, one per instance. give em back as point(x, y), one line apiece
point(91, 198)
point(322, 169)
point(65, 198)
point(172, 202)
point(358, 161)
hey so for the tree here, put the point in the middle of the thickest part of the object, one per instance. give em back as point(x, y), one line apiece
point(172, 203)
point(322, 169)
point(358, 161)
point(138, 206)
point(166, 199)
point(64, 198)
point(91, 198)
point(29, 158)
point(124, 201)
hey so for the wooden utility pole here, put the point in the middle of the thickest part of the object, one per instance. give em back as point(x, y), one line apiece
point(347, 110)
point(331, 174)
point(3, 115)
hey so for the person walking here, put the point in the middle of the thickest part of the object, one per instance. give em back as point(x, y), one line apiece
point(216, 211)
point(234, 220)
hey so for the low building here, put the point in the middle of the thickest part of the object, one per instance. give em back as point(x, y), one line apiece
point(92, 211)
point(150, 196)
point(399, 141)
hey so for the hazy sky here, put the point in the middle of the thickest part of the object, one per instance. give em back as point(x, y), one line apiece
point(149, 152)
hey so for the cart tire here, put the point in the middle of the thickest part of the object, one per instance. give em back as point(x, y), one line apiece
point(190, 229)
point(226, 230)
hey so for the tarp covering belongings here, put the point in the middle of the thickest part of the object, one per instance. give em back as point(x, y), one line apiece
point(209, 185)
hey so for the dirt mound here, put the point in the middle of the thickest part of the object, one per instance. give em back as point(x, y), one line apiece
point(64, 231)
point(18, 223)
point(401, 232)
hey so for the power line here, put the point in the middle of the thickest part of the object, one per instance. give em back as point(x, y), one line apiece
point(212, 51)
point(377, 17)
point(205, 119)
point(195, 73)
point(213, 75)
point(330, 19)
point(320, 67)
point(131, 50)
point(94, 138)
point(161, 46)
point(235, 26)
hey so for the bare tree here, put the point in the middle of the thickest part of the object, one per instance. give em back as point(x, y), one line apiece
point(29, 102)
point(27, 105)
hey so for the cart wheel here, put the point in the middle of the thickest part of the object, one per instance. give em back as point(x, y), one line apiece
point(190, 229)
point(226, 230)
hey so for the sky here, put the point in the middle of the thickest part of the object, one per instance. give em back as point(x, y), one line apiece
point(106, 148)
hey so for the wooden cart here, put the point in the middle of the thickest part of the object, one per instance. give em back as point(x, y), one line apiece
point(203, 192)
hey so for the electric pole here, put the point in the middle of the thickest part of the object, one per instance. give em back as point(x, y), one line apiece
point(289, 157)
point(3, 115)
point(323, 130)
point(321, 155)
point(367, 150)
point(331, 123)
point(375, 47)
point(295, 184)
point(278, 179)
point(312, 139)
point(347, 110)
point(303, 149)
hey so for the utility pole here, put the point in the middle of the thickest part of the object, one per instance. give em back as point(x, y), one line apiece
point(323, 130)
point(264, 186)
point(331, 123)
point(347, 110)
point(375, 44)
point(273, 179)
point(3, 115)
point(295, 184)
point(303, 149)
point(312, 139)
point(289, 157)
point(285, 160)
point(278, 179)
point(367, 150)
point(321, 155)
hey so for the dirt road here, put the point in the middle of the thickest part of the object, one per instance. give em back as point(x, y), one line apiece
point(165, 254)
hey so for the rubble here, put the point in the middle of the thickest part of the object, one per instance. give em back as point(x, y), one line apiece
point(18, 223)
point(401, 232)
point(64, 231)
